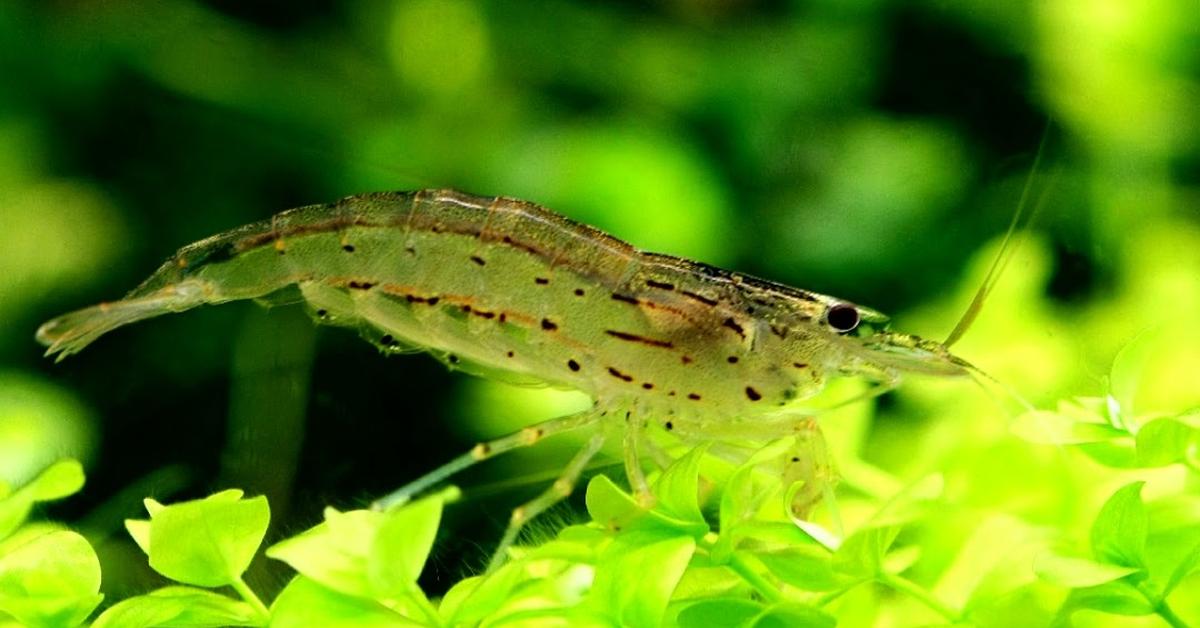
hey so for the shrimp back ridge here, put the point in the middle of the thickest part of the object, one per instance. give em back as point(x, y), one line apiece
point(508, 289)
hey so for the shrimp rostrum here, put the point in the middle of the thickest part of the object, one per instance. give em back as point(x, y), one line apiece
point(507, 289)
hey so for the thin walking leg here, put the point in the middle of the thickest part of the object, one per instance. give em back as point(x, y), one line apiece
point(523, 438)
point(558, 491)
point(808, 462)
point(633, 462)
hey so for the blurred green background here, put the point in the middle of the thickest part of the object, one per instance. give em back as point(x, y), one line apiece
point(871, 149)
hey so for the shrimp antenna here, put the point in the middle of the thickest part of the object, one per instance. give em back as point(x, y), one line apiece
point(1008, 248)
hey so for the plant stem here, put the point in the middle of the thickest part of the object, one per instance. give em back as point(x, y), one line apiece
point(760, 584)
point(918, 593)
point(1169, 615)
point(248, 595)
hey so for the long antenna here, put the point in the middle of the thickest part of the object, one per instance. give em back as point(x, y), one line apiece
point(1008, 248)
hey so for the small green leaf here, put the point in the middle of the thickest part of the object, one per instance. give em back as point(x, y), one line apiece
point(1077, 572)
point(720, 611)
point(1183, 569)
point(806, 568)
point(304, 603)
point(677, 489)
point(334, 553)
point(615, 509)
point(655, 562)
point(139, 529)
point(401, 545)
point(1127, 369)
point(1116, 597)
point(52, 579)
point(59, 480)
point(1119, 532)
point(180, 607)
point(206, 542)
point(1165, 441)
point(861, 554)
point(791, 615)
point(1054, 428)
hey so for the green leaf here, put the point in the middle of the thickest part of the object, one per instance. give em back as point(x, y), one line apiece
point(1165, 441)
point(655, 562)
point(720, 611)
point(52, 579)
point(304, 603)
point(862, 553)
point(677, 489)
point(1128, 366)
point(1119, 532)
point(791, 615)
point(59, 480)
point(806, 568)
point(401, 544)
point(616, 510)
point(1077, 572)
point(206, 542)
point(181, 607)
point(334, 553)
point(1117, 597)
point(1054, 428)
point(1183, 569)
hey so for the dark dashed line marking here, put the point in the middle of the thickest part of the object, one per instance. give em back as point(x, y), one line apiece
point(752, 394)
point(641, 339)
point(573, 365)
point(483, 314)
point(800, 365)
point(412, 298)
point(361, 285)
point(619, 375)
point(660, 285)
point(732, 324)
point(541, 281)
point(549, 325)
point(627, 299)
point(478, 260)
point(698, 297)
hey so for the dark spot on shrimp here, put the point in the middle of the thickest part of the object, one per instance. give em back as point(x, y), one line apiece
point(579, 292)
point(733, 359)
point(410, 250)
point(349, 248)
point(648, 386)
point(453, 359)
point(361, 285)
point(779, 331)
point(510, 354)
point(573, 365)
point(541, 281)
point(625, 298)
point(686, 359)
point(732, 324)
point(619, 375)
point(660, 285)
point(483, 314)
point(478, 260)
point(322, 313)
point(795, 458)
point(752, 394)
point(669, 425)
point(693, 396)
point(639, 339)
point(388, 341)
point(549, 325)
point(698, 297)
point(503, 317)
point(800, 365)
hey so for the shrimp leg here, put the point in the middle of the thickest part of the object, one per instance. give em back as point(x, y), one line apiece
point(562, 488)
point(483, 451)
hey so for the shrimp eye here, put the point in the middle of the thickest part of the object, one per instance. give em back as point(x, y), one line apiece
point(842, 317)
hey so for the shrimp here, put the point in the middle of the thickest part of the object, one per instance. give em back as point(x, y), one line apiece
point(507, 289)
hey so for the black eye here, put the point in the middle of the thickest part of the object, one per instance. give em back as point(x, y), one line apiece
point(842, 317)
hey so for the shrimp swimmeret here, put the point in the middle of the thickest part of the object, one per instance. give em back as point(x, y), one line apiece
point(507, 289)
